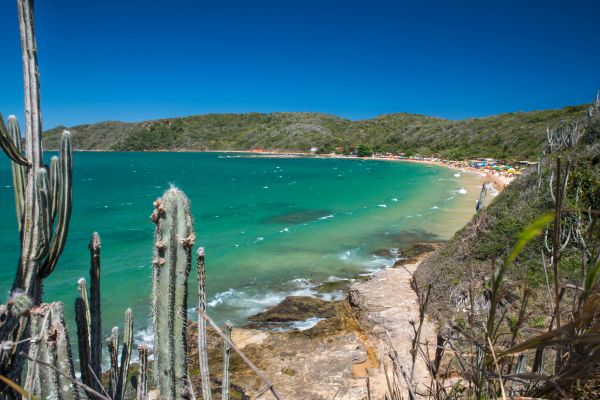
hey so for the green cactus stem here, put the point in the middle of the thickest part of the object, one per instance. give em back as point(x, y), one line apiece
point(54, 185)
point(202, 342)
point(226, 360)
point(19, 171)
point(83, 334)
point(142, 384)
point(173, 241)
point(9, 146)
point(43, 203)
point(112, 343)
point(94, 306)
point(53, 347)
point(125, 355)
point(65, 206)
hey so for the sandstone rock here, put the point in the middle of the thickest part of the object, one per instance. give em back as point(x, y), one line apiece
point(312, 364)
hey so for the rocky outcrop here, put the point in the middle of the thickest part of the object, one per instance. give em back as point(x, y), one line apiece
point(299, 308)
point(312, 364)
point(331, 359)
point(386, 303)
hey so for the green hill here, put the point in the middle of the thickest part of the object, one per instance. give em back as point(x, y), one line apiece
point(513, 135)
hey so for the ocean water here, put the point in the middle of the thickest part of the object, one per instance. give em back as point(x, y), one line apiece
point(271, 227)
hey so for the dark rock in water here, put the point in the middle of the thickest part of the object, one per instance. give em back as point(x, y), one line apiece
point(383, 253)
point(328, 287)
point(298, 308)
point(416, 252)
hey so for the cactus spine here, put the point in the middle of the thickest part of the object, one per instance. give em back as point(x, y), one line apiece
point(53, 347)
point(202, 344)
point(173, 239)
point(226, 359)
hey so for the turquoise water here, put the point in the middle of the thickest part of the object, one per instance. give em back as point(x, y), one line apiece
point(271, 227)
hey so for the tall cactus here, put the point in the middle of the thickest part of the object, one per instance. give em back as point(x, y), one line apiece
point(118, 374)
point(95, 314)
point(173, 241)
point(142, 384)
point(40, 196)
point(54, 347)
point(202, 342)
point(226, 360)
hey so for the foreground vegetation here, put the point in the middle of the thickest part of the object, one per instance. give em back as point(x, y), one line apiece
point(516, 135)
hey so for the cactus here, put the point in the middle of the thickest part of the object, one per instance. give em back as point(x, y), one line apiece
point(94, 306)
point(53, 347)
point(118, 374)
point(18, 170)
point(173, 240)
point(564, 136)
point(226, 359)
point(594, 107)
point(112, 343)
point(142, 384)
point(125, 355)
point(83, 334)
point(202, 343)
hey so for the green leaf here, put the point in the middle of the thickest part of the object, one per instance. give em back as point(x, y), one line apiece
point(18, 388)
point(527, 235)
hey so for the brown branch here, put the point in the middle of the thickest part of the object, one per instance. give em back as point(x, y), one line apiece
point(75, 381)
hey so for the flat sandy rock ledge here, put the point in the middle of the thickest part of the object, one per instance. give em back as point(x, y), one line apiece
point(333, 358)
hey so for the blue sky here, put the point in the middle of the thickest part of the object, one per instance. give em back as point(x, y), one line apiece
point(134, 60)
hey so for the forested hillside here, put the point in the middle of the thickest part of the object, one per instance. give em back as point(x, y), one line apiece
point(514, 135)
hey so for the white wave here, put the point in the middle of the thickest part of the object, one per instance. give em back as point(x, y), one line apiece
point(329, 216)
point(381, 205)
point(300, 325)
point(285, 230)
point(457, 175)
point(265, 187)
point(433, 208)
point(218, 299)
point(394, 199)
point(259, 239)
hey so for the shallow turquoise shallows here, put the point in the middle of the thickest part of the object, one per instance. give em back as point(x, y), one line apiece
point(271, 227)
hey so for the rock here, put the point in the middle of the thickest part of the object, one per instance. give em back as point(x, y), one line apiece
point(298, 308)
point(383, 253)
point(416, 252)
point(328, 287)
point(312, 364)
point(387, 303)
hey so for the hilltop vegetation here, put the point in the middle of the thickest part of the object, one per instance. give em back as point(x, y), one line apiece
point(503, 136)
point(466, 259)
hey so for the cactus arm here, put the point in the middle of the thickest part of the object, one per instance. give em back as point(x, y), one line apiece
point(95, 315)
point(45, 230)
point(125, 355)
point(83, 291)
point(64, 206)
point(226, 359)
point(202, 344)
point(54, 185)
point(8, 145)
point(113, 346)
point(83, 334)
point(18, 170)
point(174, 238)
point(142, 386)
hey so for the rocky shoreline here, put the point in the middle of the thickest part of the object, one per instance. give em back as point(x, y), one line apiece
point(333, 358)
